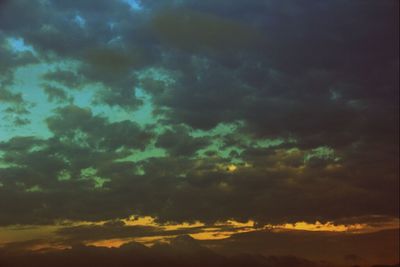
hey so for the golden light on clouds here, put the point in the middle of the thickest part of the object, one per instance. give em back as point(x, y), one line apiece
point(226, 167)
point(231, 168)
point(317, 226)
point(136, 220)
point(197, 230)
point(19, 233)
point(217, 233)
point(110, 243)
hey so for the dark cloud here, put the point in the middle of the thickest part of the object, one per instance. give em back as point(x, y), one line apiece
point(81, 125)
point(94, 233)
point(56, 94)
point(67, 78)
point(17, 107)
point(66, 167)
point(295, 84)
point(10, 97)
point(365, 248)
point(115, 230)
point(185, 251)
point(207, 94)
point(55, 34)
point(322, 77)
point(193, 31)
point(10, 61)
point(114, 68)
point(183, 189)
point(178, 142)
point(20, 143)
point(15, 104)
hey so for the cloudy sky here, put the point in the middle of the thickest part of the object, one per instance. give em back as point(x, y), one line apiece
point(237, 124)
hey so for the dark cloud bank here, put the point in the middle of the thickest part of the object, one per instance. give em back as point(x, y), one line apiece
point(239, 250)
point(321, 76)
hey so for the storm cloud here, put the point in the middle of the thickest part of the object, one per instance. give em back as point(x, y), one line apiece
point(198, 111)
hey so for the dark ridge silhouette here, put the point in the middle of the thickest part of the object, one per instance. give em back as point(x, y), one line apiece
point(182, 251)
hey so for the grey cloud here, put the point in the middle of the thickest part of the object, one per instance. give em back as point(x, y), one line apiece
point(56, 94)
point(194, 31)
point(316, 246)
point(185, 251)
point(81, 141)
point(321, 74)
point(67, 78)
point(72, 121)
point(117, 229)
point(178, 142)
point(182, 251)
point(10, 97)
point(183, 189)
point(54, 35)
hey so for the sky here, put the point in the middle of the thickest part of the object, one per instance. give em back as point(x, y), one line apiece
point(206, 129)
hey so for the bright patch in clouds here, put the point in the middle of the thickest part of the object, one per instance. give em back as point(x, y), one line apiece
point(134, 4)
point(80, 21)
point(18, 45)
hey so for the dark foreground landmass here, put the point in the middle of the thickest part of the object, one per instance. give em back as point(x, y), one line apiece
point(182, 251)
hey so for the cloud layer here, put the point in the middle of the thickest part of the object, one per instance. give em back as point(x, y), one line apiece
point(197, 111)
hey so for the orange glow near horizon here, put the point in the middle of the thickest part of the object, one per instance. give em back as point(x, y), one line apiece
point(110, 243)
point(197, 230)
point(321, 227)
